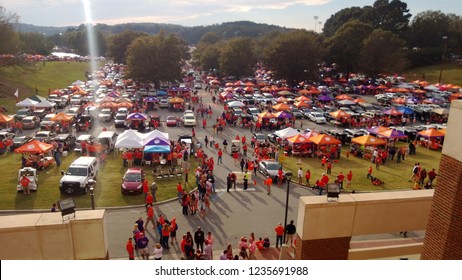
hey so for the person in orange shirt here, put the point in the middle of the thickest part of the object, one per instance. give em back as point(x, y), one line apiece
point(268, 183)
point(149, 199)
point(150, 217)
point(369, 172)
point(130, 249)
point(279, 233)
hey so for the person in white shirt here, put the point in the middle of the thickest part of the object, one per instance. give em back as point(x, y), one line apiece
point(158, 252)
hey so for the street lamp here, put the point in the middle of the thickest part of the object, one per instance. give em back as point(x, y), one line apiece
point(91, 184)
point(288, 176)
point(445, 39)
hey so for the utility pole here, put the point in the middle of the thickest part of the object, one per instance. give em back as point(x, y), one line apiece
point(315, 22)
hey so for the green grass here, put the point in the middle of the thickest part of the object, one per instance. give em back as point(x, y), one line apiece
point(452, 74)
point(51, 75)
point(395, 175)
point(107, 189)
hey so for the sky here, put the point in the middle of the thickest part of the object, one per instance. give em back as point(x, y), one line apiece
point(305, 14)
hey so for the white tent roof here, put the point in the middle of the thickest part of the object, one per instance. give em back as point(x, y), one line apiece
point(287, 132)
point(26, 103)
point(78, 83)
point(45, 104)
point(129, 139)
point(153, 134)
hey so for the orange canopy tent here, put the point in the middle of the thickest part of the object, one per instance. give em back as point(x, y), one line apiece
point(303, 98)
point(62, 117)
point(124, 105)
point(304, 91)
point(176, 100)
point(266, 115)
point(110, 105)
point(359, 100)
point(431, 133)
point(5, 118)
point(298, 139)
point(344, 97)
point(301, 104)
point(281, 107)
point(339, 114)
point(324, 139)
point(368, 140)
point(35, 147)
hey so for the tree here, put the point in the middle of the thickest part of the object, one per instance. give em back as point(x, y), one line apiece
point(389, 15)
point(9, 38)
point(35, 43)
point(77, 39)
point(383, 52)
point(237, 57)
point(338, 19)
point(118, 45)
point(344, 48)
point(296, 56)
point(155, 58)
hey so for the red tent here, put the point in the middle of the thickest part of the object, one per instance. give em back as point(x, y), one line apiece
point(35, 147)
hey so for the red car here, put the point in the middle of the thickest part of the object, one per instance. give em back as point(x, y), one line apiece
point(132, 182)
point(171, 121)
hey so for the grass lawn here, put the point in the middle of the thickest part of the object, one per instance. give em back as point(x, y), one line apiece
point(51, 75)
point(395, 175)
point(451, 74)
point(107, 189)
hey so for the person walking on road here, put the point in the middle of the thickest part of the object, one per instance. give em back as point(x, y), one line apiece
point(199, 238)
point(279, 233)
point(143, 248)
point(130, 249)
point(268, 183)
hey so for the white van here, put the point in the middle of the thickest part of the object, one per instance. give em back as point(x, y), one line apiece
point(107, 139)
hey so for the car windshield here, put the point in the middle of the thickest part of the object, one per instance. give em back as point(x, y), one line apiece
point(77, 171)
point(120, 117)
point(272, 165)
point(189, 117)
point(132, 177)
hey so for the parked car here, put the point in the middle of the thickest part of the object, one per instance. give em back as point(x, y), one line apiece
point(80, 172)
point(189, 119)
point(66, 140)
point(296, 113)
point(18, 141)
point(80, 139)
point(30, 122)
point(6, 135)
point(120, 120)
point(21, 113)
point(48, 124)
point(316, 117)
point(163, 103)
point(44, 136)
point(74, 111)
point(132, 181)
point(105, 115)
point(170, 121)
point(270, 168)
point(81, 122)
point(260, 138)
point(31, 174)
point(352, 133)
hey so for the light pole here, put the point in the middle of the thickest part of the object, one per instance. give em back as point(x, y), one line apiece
point(445, 39)
point(315, 22)
point(288, 176)
point(91, 185)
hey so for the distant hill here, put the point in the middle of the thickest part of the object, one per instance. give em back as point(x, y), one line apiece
point(190, 34)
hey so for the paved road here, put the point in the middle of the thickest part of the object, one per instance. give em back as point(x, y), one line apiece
point(233, 215)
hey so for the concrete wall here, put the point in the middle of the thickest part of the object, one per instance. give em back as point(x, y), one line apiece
point(46, 236)
point(321, 222)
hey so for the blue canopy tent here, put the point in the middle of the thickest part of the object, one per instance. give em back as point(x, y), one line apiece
point(161, 93)
point(405, 110)
point(161, 149)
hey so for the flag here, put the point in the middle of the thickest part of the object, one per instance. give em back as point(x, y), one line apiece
point(16, 94)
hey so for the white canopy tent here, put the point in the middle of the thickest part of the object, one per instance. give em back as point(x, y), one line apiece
point(27, 103)
point(46, 104)
point(129, 139)
point(287, 132)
